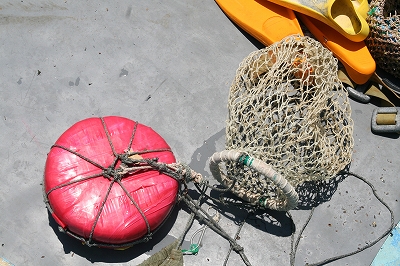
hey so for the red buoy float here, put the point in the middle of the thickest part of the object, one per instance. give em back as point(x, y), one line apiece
point(90, 195)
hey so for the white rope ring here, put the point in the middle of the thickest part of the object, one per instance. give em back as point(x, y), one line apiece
point(291, 197)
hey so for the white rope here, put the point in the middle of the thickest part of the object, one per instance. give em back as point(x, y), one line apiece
point(256, 197)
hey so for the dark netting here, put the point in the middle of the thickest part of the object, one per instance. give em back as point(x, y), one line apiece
point(384, 39)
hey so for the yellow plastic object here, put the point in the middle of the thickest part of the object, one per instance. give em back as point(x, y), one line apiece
point(338, 14)
point(264, 20)
point(361, 6)
point(355, 56)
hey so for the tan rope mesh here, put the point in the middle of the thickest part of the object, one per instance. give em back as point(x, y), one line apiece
point(252, 194)
point(288, 108)
point(384, 39)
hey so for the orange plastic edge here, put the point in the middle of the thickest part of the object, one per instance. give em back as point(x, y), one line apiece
point(355, 56)
point(265, 21)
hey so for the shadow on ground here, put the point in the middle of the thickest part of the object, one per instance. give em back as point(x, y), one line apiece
point(311, 194)
point(314, 193)
point(95, 254)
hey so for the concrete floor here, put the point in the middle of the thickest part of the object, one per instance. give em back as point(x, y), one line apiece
point(64, 61)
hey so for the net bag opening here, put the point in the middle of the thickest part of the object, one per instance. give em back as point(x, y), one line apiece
point(288, 109)
point(94, 196)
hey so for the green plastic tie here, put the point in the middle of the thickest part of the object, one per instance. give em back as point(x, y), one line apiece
point(194, 249)
point(372, 11)
point(246, 160)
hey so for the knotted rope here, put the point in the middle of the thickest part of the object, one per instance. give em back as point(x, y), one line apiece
point(131, 162)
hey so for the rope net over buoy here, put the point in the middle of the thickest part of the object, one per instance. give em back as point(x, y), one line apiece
point(288, 108)
point(99, 185)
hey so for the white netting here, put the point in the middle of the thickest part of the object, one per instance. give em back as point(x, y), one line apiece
point(288, 108)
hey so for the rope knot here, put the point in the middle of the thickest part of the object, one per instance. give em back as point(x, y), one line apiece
point(237, 247)
point(112, 174)
point(124, 158)
point(147, 238)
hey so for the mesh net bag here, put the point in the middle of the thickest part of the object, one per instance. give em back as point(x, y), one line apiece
point(288, 108)
point(384, 39)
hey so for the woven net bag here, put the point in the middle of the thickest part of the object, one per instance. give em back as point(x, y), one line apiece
point(288, 108)
point(384, 39)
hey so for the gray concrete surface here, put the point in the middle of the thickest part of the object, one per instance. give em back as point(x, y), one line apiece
point(63, 61)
